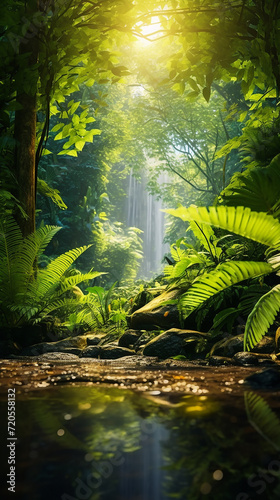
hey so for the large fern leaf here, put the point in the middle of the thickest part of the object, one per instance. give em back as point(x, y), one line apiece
point(71, 281)
point(258, 226)
point(49, 278)
point(213, 282)
point(10, 241)
point(261, 317)
point(28, 253)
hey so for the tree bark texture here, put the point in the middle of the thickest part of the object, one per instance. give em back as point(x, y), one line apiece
point(25, 130)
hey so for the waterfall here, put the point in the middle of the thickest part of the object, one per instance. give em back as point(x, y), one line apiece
point(144, 212)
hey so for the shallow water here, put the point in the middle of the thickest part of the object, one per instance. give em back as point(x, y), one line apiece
point(93, 443)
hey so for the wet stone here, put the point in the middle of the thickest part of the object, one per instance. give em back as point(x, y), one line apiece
point(90, 352)
point(129, 338)
point(265, 346)
point(220, 361)
point(115, 352)
point(230, 346)
point(245, 358)
point(57, 356)
point(266, 379)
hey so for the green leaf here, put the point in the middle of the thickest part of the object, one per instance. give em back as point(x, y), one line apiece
point(70, 152)
point(261, 318)
point(74, 107)
point(258, 226)
point(79, 145)
point(206, 93)
point(57, 127)
point(213, 282)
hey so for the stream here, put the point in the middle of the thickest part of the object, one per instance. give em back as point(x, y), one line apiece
point(96, 432)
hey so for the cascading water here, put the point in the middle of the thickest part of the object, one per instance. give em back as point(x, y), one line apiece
point(144, 212)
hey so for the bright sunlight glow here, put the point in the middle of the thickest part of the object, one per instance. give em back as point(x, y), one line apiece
point(151, 31)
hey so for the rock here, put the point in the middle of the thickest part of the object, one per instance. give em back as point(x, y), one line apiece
point(265, 346)
point(115, 352)
point(57, 356)
point(106, 352)
point(135, 361)
point(59, 346)
point(141, 342)
point(91, 352)
point(155, 313)
point(129, 338)
point(269, 378)
point(245, 358)
point(220, 361)
point(93, 339)
point(230, 346)
point(171, 343)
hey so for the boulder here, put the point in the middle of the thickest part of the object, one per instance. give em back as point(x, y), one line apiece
point(106, 352)
point(245, 358)
point(157, 313)
point(59, 346)
point(91, 352)
point(220, 361)
point(265, 346)
point(230, 346)
point(115, 352)
point(266, 379)
point(129, 338)
point(173, 342)
point(93, 339)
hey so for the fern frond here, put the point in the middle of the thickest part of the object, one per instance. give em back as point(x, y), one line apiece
point(28, 252)
point(258, 226)
point(224, 276)
point(50, 276)
point(262, 418)
point(10, 238)
point(261, 317)
point(71, 281)
point(64, 303)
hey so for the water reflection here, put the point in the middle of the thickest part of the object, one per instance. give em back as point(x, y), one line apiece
point(86, 443)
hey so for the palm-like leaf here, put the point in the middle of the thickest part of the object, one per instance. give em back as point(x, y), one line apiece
point(258, 226)
point(224, 276)
point(261, 317)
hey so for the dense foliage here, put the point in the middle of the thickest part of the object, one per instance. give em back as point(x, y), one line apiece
point(92, 91)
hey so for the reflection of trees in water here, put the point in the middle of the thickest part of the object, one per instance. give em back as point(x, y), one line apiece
point(116, 435)
point(213, 455)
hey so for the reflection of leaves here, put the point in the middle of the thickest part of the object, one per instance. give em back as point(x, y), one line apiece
point(50, 424)
point(262, 418)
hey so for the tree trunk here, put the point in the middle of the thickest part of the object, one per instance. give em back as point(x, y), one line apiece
point(25, 129)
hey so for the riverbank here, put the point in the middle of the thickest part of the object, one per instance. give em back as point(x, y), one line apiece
point(139, 374)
